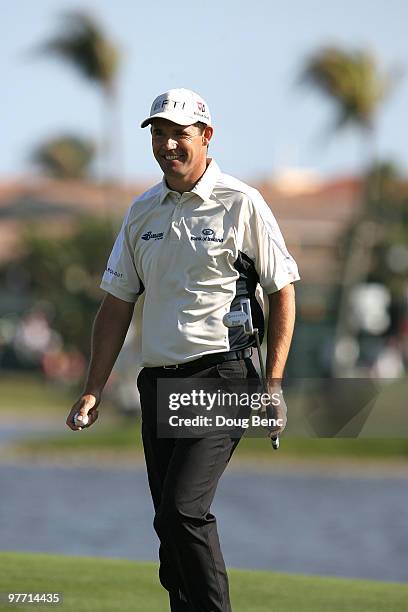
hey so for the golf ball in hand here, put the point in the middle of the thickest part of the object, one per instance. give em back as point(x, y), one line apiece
point(80, 422)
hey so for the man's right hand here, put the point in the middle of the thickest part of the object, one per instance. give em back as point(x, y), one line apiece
point(86, 406)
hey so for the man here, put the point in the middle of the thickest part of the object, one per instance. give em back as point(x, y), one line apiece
point(191, 247)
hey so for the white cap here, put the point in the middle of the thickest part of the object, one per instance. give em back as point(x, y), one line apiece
point(181, 106)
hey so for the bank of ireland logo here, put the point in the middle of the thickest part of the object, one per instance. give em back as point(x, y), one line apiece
point(151, 236)
point(207, 235)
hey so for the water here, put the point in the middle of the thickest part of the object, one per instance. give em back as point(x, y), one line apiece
point(13, 432)
point(314, 524)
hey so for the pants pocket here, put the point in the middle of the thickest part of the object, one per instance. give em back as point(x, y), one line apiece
point(139, 378)
point(232, 370)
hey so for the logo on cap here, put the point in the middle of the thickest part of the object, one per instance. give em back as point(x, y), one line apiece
point(168, 103)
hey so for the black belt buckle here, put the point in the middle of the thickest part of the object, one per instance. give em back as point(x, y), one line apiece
point(213, 359)
point(244, 353)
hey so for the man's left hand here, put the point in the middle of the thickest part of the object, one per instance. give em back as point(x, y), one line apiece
point(276, 410)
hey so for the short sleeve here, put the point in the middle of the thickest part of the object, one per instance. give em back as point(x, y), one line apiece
point(265, 244)
point(120, 277)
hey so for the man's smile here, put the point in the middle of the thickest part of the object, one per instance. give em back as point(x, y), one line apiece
point(173, 156)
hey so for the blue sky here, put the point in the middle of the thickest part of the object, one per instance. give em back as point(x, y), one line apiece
point(242, 57)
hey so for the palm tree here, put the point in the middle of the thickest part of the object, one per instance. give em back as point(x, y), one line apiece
point(352, 80)
point(64, 157)
point(354, 83)
point(82, 43)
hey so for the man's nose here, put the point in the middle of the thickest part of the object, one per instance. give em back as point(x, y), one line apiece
point(170, 144)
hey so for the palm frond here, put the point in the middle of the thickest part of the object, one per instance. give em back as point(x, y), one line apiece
point(82, 43)
point(352, 80)
point(65, 157)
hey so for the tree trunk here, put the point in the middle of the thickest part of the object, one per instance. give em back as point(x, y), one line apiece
point(357, 263)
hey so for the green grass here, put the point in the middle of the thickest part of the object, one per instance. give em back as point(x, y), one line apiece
point(107, 585)
point(326, 448)
point(30, 395)
point(124, 438)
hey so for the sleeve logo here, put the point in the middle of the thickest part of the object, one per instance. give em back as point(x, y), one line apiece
point(114, 273)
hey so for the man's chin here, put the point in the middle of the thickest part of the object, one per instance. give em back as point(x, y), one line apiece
point(173, 169)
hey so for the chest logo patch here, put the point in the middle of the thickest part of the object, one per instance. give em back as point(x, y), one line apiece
point(208, 235)
point(151, 236)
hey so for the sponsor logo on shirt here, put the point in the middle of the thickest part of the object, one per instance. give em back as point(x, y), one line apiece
point(152, 236)
point(114, 273)
point(207, 236)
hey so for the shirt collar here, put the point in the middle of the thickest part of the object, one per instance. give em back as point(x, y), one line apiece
point(203, 188)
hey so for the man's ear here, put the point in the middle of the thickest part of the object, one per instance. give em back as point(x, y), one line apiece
point(207, 135)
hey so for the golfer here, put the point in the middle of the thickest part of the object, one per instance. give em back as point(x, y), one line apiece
point(190, 248)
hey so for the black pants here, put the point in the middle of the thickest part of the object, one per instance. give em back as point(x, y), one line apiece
point(183, 474)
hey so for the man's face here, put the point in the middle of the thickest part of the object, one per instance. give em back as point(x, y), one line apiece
point(181, 151)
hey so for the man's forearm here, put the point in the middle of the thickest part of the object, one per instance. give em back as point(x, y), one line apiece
point(108, 334)
point(280, 330)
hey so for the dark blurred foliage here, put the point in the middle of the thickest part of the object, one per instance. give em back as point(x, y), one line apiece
point(383, 225)
point(66, 271)
point(390, 212)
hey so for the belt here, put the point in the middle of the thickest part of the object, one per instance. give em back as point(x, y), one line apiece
point(207, 361)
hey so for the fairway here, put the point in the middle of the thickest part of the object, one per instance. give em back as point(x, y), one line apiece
point(28, 396)
point(105, 585)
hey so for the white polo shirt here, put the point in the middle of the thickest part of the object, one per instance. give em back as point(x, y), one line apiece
point(192, 257)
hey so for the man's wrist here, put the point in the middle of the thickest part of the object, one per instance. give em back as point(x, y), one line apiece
point(96, 393)
point(273, 381)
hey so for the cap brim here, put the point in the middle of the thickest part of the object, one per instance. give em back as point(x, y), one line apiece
point(180, 119)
